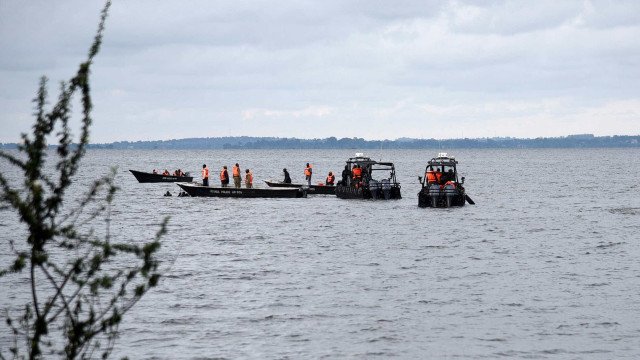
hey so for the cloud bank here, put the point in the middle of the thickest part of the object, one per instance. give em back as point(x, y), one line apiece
point(372, 69)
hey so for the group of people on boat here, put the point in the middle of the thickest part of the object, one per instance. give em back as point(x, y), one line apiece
point(308, 173)
point(435, 176)
point(166, 172)
point(352, 176)
point(224, 176)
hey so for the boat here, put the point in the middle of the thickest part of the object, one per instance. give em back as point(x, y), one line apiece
point(194, 189)
point(311, 189)
point(145, 177)
point(378, 180)
point(444, 190)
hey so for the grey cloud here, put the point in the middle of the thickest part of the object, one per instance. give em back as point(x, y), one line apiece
point(171, 68)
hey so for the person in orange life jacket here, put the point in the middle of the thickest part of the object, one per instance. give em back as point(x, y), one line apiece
point(330, 179)
point(205, 175)
point(166, 172)
point(237, 176)
point(438, 176)
point(248, 179)
point(357, 173)
point(307, 173)
point(431, 176)
point(224, 176)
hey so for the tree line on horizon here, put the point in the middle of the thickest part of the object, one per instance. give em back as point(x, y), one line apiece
point(249, 142)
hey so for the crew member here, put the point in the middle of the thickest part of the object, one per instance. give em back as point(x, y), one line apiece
point(237, 177)
point(287, 178)
point(205, 175)
point(357, 174)
point(346, 175)
point(431, 176)
point(166, 172)
point(155, 171)
point(307, 174)
point(224, 176)
point(330, 179)
point(438, 176)
point(248, 179)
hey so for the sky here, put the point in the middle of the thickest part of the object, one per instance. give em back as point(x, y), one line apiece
point(314, 69)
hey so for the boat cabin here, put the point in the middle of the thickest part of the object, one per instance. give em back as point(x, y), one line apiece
point(368, 179)
point(443, 167)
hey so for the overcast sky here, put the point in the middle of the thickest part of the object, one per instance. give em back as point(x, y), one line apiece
point(311, 69)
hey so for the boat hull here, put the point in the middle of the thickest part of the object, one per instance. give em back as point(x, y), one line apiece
point(349, 192)
point(144, 177)
point(441, 197)
point(311, 190)
point(228, 192)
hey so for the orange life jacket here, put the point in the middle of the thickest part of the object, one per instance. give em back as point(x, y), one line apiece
point(205, 173)
point(357, 173)
point(222, 174)
point(249, 178)
point(307, 171)
point(438, 176)
point(236, 171)
point(330, 179)
point(431, 177)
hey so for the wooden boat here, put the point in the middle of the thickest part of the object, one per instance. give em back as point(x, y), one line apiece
point(446, 192)
point(311, 190)
point(194, 189)
point(378, 181)
point(145, 177)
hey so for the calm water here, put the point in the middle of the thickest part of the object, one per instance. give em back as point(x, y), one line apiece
point(546, 265)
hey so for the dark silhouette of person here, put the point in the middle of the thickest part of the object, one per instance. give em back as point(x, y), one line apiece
point(287, 178)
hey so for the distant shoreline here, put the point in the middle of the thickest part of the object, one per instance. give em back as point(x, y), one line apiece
point(267, 143)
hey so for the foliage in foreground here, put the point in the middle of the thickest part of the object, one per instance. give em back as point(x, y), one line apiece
point(80, 283)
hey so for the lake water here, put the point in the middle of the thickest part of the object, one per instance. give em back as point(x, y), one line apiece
point(545, 265)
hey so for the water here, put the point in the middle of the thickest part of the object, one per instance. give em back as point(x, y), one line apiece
point(544, 266)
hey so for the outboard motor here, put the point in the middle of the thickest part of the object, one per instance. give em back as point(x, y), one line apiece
point(449, 192)
point(434, 193)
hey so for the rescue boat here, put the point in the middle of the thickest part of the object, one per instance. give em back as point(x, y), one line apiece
point(440, 185)
point(311, 190)
point(194, 189)
point(376, 180)
point(145, 177)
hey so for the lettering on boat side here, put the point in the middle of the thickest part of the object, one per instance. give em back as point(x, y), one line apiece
point(213, 191)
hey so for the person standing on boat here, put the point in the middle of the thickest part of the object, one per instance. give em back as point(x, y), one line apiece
point(205, 175)
point(287, 178)
point(357, 174)
point(237, 177)
point(308, 171)
point(431, 176)
point(330, 179)
point(439, 176)
point(346, 175)
point(224, 176)
point(248, 179)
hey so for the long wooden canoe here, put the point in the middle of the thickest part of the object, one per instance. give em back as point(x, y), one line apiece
point(145, 177)
point(311, 190)
point(194, 189)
